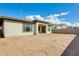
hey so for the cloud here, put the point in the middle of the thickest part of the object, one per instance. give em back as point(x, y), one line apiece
point(30, 17)
point(52, 18)
point(49, 17)
point(56, 15)
point(65, 13)
point(34, 17)
point(67, 23)
point(38, 17)
point(61, 14)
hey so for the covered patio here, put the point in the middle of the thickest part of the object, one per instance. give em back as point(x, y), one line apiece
point(40, 27)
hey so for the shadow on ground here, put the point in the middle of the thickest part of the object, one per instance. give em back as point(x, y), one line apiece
point(73, 48)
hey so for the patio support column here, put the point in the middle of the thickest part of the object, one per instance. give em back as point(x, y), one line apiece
point(36, 28)
point(46, 28)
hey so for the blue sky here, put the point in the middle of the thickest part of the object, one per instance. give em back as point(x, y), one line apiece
point(20, 10)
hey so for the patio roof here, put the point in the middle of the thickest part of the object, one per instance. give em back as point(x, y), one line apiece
point(40, 21)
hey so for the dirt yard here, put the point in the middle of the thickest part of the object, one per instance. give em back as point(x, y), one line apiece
point(43, 44)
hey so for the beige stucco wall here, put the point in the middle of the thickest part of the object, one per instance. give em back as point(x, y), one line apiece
point(14, 28)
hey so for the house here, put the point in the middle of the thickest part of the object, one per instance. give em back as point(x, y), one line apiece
point(10, 26)
point(59, 26)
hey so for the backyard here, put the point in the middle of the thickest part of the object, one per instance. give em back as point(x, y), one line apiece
point(42, 44)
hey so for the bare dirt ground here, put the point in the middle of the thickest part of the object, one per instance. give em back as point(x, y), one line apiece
point(42, 44)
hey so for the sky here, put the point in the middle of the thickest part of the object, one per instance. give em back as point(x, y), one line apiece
point(67, 12)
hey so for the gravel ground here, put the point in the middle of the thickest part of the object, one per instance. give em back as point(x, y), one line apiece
point(35, 45)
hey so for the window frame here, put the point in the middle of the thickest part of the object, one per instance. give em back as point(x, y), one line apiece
point(27, 25)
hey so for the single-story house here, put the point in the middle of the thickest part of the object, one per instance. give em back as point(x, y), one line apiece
point(59, 26)
point(10, 26)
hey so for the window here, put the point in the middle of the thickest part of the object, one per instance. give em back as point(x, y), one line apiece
point(27, 27)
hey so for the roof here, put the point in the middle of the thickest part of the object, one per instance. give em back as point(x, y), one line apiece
point(21, 20)
point(14, 19)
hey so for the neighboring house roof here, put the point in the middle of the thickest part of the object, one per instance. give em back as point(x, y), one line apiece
point(21, 20)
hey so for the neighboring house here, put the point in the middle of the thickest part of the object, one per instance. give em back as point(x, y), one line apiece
point(59, 26)
point(15, 27)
